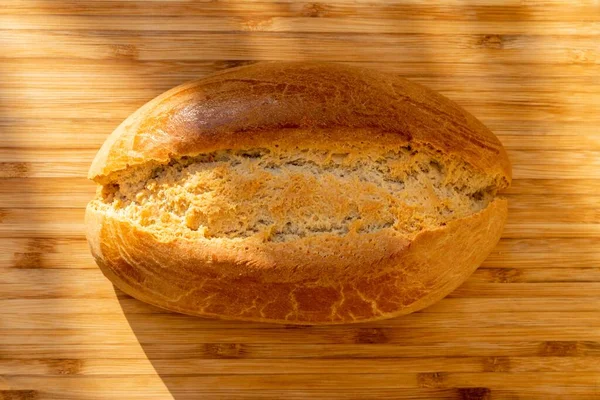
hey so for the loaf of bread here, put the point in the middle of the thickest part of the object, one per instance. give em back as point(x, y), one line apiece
point(297, 193)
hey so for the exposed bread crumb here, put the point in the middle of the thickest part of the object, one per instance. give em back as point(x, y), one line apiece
point(289, 194)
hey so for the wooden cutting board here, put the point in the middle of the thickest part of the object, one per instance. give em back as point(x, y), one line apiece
point(525, 326)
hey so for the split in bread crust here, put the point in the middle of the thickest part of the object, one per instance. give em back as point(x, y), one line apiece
point(283, 195)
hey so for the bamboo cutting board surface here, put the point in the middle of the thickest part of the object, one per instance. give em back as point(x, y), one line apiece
point(526, 325)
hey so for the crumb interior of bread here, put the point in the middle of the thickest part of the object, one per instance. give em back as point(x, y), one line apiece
point(283, 195)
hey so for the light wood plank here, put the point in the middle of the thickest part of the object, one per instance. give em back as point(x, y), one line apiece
point(163, 74)
point(548, 245)
point(447, 348)
point(554, 186)
point(301, 46)
point(92, 367)
point(305, 23)
point(105, 306)
point(524, 290)
point(181, 393)
point(304, 381)
point(569, 262)
point(493, 10)
point(554, 208)
point(540, 274)
point(46, 192)
point(183, 329)
point(57, 286)
point(579, 142)
point(14, 155)
point(50, 223)
point(518, 230)
point(57, 169)
point(511, 304)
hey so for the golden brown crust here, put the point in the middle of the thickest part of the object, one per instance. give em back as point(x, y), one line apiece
point(384, 275)
point(318, 279)
point(266, 101)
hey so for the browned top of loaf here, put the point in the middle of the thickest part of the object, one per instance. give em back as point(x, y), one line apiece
point(233, 108)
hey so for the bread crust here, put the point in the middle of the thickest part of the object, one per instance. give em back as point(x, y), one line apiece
point(319, 279)
point(264, 101)
point(385, 275)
